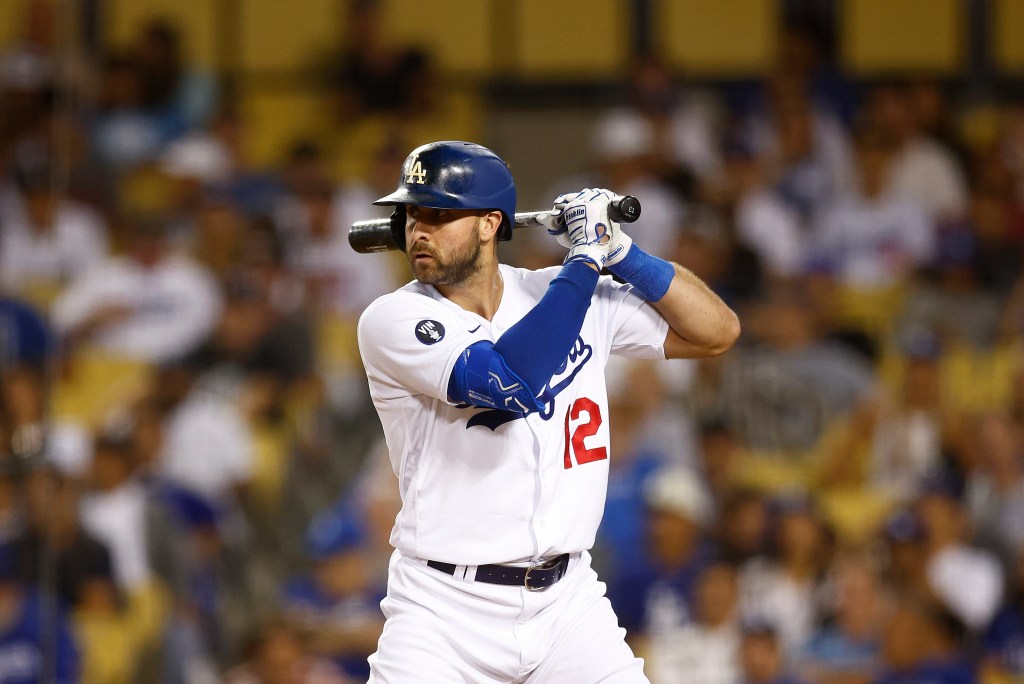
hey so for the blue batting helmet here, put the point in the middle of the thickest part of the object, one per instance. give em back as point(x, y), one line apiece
point(451, 174)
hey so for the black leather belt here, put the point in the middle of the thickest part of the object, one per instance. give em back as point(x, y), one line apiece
point(534, 577)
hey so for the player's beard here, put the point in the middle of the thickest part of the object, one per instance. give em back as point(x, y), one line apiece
point(455, 269)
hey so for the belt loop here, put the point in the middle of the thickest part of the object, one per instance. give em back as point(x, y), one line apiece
point(465, 573)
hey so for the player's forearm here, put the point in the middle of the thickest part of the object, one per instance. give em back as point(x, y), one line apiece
point(700, 323)
point(531, 351)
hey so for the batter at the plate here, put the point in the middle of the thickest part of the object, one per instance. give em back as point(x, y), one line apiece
point(489, 381)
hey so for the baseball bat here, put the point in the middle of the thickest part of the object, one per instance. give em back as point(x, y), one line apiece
point(374, 235)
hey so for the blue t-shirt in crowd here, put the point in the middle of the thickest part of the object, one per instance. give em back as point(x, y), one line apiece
point(36, 647)
point(834, 651)
point(621, 535)
point(1005, 639)
point(646, 597)
point(950, 671)
point(305, 597)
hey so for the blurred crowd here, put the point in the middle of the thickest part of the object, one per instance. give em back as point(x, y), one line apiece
point(193, 486)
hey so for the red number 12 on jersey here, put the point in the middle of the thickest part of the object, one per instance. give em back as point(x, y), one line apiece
point(582, 431)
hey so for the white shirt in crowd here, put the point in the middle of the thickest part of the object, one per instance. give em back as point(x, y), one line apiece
point(349, 281)
point(209, 448)
point(927, 173)
point(694, 654)
point(769, 596)
point(174, 306)
point(75, 242)
point(771, 228)
point(905, 449)
point(873, 243)
point(117, 518)
point(969, 581)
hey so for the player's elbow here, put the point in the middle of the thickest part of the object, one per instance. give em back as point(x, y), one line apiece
point(713, 340)
point(731, 330)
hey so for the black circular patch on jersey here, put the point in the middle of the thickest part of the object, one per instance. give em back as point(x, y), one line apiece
point(429, 332)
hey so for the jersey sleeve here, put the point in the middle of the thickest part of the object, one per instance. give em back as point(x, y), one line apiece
point(409, 344)
point(637, 329)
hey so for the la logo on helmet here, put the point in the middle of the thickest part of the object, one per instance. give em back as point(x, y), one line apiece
point(416, 173)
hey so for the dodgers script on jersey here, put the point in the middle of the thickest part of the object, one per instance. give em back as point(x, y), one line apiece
point(486, 486)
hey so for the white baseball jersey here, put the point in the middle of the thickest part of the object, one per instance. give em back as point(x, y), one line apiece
point(485, 486)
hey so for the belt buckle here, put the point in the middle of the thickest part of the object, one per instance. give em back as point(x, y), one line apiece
point(546, 565)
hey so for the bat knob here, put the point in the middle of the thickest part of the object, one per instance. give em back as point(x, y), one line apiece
point(626, 209)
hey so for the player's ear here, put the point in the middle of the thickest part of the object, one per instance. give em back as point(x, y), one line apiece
point(489, 226)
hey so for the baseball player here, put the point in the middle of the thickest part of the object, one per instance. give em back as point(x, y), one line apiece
point(489, 382)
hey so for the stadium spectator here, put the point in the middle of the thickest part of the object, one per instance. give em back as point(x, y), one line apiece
point(994, 493)
point(47, 241)
point(207, 443)
point(36, 642)
point(923, 169)
point(761, 656)
point(786, 590)
point(655, 593)
point(150, 305)
point(764, 221)
point(785, 393)
point(1003, 642)
point(63, 443)
point(870, 238)
point(805, 147)
point(336, 604)
point(373, 77)
point(113, 510)
point(849, 649)
point(907, 443)
point(967, 579)
point(277, 654)
point(706, 650)
point(25, 335)
point(920, 645)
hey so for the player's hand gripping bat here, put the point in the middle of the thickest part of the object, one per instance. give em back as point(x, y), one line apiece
point(375, 235)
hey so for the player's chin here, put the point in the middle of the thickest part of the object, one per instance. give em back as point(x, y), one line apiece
point(426, 270)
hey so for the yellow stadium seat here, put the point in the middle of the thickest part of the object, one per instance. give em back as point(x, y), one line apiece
point(459, 35)
point(977, 380)
point(1007, 35)
point(97, 383)
point(276, 118)
point(871, 311)
point(879, 36)
point(721, 38)
point(593, 45)
point(12, 21)
point(855, 513)
point(196, 19)
point(271, 465)
point(282, 36)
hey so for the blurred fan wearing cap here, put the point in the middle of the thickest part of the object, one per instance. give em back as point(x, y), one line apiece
point(336, 604)
point(654, 591)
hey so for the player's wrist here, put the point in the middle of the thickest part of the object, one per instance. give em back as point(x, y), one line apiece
point(595, 255)
point(651, 276)
point(618, 247)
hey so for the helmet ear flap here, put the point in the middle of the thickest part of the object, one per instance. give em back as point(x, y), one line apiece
point(398, 226)
point(505, 231)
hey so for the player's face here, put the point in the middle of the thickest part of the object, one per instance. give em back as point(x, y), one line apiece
point(443, 245)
